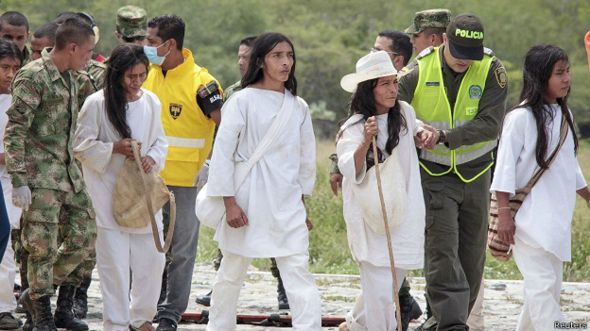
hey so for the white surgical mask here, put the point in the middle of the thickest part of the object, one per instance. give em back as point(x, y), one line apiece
point(152, 54)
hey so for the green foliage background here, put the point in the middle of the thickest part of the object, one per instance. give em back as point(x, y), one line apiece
point(329, 36)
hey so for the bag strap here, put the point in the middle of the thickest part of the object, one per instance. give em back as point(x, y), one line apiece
point(148, 202)
point(271, 135)
point(562, 135)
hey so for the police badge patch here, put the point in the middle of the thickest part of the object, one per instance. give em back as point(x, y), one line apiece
point(175, 110)
point(475, 92)
point(501, 77)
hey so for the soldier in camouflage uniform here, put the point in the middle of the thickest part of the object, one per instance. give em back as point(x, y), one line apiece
point(131, 25)
point(47, 180)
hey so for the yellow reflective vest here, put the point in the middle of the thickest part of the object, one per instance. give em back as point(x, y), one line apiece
point(188, 130)
point(432, 106)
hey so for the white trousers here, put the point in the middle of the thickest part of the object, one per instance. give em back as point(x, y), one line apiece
point(542, 273)
point(116, 254)
point(374, 309)
point(7, 275)
point(476, 316)
point(303, 295)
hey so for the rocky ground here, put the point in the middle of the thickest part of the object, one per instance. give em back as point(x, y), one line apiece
point(503, 299)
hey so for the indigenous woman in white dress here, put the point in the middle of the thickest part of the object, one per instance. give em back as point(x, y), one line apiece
point(266, 215)
point(109, 120)
point(541, 230)
point(376, 113)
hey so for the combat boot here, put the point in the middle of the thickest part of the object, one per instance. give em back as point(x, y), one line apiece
point(28, 326)
point(282, 296)
point(64, 314)
point(81, 299)
point(42, 317)
point(410, 310)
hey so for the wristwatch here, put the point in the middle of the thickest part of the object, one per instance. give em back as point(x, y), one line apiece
point(442, 137)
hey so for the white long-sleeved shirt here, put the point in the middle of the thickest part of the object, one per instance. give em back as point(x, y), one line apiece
point(93, 146)
point(544, 219)
point(408, 238)
point(271, 194)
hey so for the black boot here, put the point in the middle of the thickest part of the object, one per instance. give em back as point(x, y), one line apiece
point(64, 315)
point(409, 309)
point(81, 299)
point(40, 310)
point(28, 326)
point(281, 295)
point(205, 299)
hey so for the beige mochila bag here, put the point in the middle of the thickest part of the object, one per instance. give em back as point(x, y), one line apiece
point(138, 195)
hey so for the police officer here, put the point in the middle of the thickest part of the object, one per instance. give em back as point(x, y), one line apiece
point(460, 89)
point(58, 227)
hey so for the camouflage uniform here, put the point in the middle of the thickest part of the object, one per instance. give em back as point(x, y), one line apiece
point(431, 18)
point(233, 88)
point(91, 80)
point(38, 141)
point(131, 21)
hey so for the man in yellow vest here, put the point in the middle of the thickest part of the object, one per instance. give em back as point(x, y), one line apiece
point(460, 89)
point(191, 102)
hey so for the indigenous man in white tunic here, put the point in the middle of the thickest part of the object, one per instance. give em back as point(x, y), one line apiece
point(266, 214)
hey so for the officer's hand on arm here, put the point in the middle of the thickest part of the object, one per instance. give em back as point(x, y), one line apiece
point(426, 137)
point(21, 197)
point(234, 215)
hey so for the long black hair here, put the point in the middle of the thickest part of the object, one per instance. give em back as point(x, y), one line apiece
point(263, 45)
point(538, 68)
point(123, 58)
point(8, 49)
point(363, 102)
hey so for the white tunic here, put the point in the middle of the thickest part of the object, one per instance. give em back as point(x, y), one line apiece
point(544, 219)
point(271, 195)
point(93, 146)
point(13, 211)
point(408, 237)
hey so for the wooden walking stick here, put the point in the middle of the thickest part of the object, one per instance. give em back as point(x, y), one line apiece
point(388, 235)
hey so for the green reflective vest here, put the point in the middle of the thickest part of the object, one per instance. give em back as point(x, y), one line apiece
point(432, 106)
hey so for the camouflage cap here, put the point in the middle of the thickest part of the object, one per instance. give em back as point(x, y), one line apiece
point(131, 21)
point(431, 18)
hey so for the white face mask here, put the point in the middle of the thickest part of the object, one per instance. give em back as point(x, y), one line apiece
point(152, 54)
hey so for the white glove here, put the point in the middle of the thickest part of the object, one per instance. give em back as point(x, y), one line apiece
point(21, 197)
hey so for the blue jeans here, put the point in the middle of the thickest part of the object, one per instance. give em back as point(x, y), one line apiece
point(182, 254)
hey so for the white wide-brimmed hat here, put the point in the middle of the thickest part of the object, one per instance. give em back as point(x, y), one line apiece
point(371, 66)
